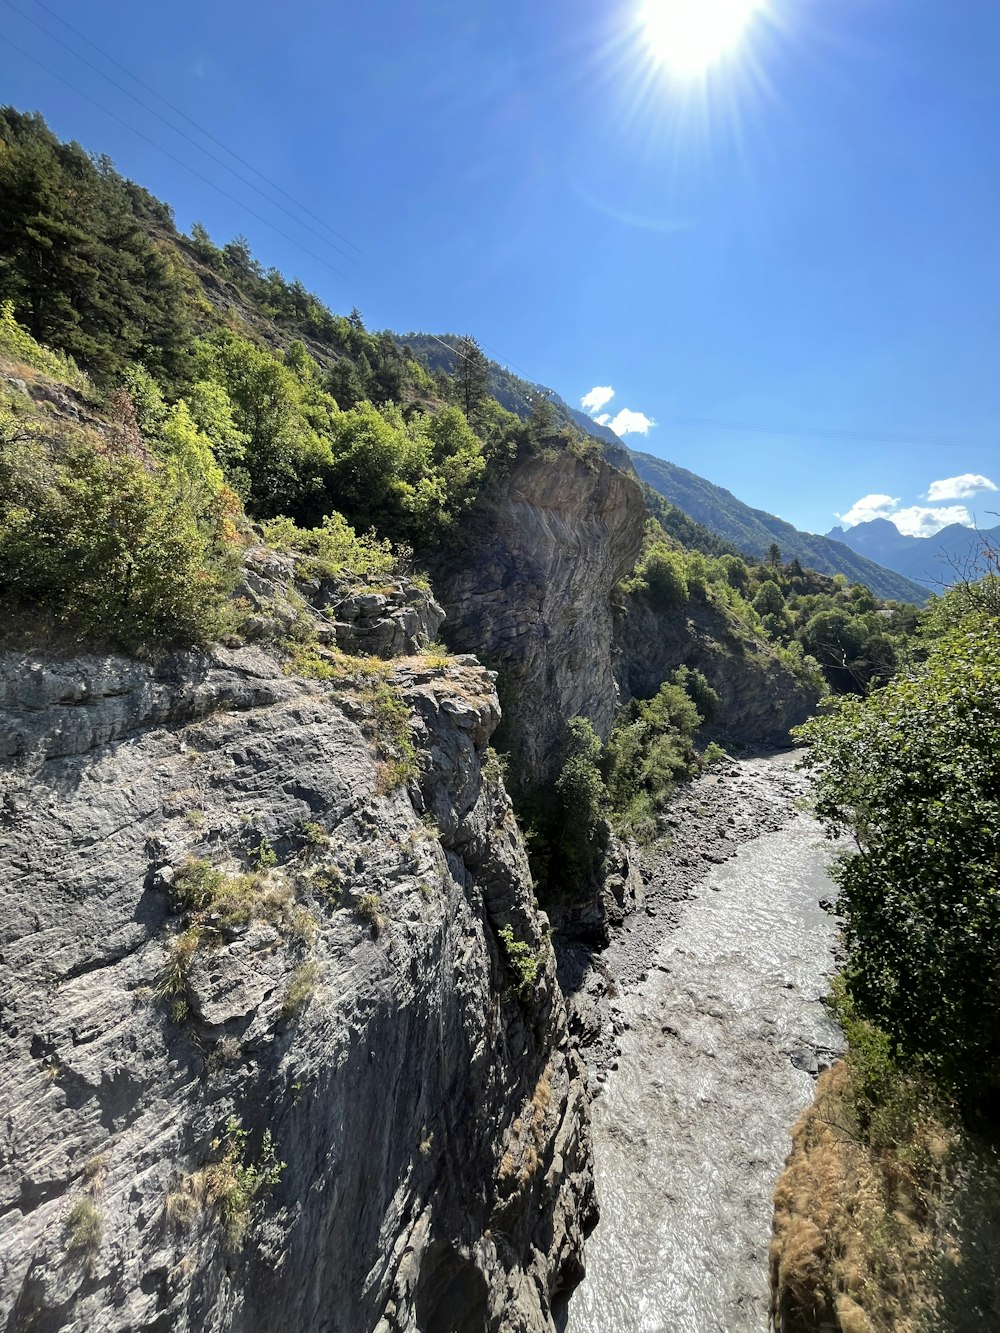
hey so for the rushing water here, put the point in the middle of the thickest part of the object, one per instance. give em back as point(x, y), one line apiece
point(692, 1129)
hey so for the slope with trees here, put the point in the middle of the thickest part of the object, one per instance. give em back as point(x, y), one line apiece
point(888, 1215)
point(752, 531)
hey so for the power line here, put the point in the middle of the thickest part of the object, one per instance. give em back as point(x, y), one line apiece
point(819, 433)
point(174, 158)
point(508, 364)
point(806, 433)
point(194, 142)
point(200, 128)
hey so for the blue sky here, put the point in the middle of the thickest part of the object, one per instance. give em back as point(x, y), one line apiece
point(791, 267)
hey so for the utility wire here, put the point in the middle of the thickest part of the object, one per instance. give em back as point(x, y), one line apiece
point(509, 365)
point(200, 128)
point(174, 158)
point(806, 433)
point(183, 134)
point(810, 433)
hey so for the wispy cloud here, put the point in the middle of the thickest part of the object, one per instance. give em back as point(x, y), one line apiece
point(628, 422)
point(869, 507)
point(960, 488)
point(597, 397)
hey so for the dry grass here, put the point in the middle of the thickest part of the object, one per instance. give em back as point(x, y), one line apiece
point(185, 1203)
point(856, 1230)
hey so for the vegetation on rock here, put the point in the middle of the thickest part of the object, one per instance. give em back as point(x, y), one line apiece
point(888, 1212)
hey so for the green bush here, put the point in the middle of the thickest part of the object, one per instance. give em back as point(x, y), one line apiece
point(664, 575)
point(237, 1185)
point(18, 344)
point(649, 751)
point(86, 1227)
point(696, 687)
point(334, 549)
point(98, 546)
point(911, 773)
point(522, 962)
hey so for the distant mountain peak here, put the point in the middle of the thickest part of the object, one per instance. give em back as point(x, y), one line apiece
point(953, 552)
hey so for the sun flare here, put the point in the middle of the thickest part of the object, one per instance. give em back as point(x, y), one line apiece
point(687, 36)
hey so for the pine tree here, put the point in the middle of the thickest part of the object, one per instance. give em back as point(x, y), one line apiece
point(472, 371)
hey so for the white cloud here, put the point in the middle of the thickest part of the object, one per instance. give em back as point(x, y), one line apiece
point(960, 488)
point(869, 507)
point(603, 419)
point(597, 397)
point(914, 521)
point(628, 422)
point(919, 521)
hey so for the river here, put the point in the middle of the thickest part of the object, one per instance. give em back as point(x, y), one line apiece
point(691, 1130)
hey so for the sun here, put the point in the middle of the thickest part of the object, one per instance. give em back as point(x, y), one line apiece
point(688, 36)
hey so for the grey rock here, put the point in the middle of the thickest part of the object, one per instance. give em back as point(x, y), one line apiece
point(760, 699)
point(532, 596)
point(434, 1126)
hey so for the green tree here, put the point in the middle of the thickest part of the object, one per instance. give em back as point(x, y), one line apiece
point(471, 375)
point(581, 831)
point(769, 601)
point(773, 556)
point(76, 258)
point(664, 574)
point(911, 773)
point(287, 462)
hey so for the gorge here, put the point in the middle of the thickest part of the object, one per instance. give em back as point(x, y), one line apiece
point(403, 865)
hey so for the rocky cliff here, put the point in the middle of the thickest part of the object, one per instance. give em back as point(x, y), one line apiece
point(532, 596)
point(760, 698)
point(282, 1041)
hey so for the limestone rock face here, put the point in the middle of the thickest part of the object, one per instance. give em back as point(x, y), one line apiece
point(533, 596)
point(759, 697)
point(430, 1113)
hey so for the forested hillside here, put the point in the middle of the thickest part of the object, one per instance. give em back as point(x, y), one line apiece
point(752, 531)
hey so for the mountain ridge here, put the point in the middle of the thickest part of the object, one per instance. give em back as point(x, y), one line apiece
point(754, 530)
point(955, 550)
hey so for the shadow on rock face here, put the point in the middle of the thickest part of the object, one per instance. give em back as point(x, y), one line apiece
point(453, 1295)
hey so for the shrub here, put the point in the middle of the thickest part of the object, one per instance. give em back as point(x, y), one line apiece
point(301, 988)
point(334, 550)
point(713, 753)
point(18, 344)
point(390, 725)
point(101, 547)
point(663, 572)
point(369, 908)
point(85, 1226)
point(522, 962)
point(696, 687)
point(650, 749)
point(237, 1187)
point(911, 773)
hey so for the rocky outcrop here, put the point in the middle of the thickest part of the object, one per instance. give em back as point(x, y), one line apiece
point(760, 698)
point(357, 1015)
point(389, 620)
point(532, 596)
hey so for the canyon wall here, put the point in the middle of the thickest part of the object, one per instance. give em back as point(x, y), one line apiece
point(366, 1025)
point(532, 596)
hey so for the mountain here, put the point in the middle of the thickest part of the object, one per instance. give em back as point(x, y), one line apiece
point(949, 555)
point(593, 427)
point(754, 530)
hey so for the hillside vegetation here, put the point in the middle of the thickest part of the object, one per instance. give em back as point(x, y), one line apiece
point(888, 1215)
point(752, 531)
